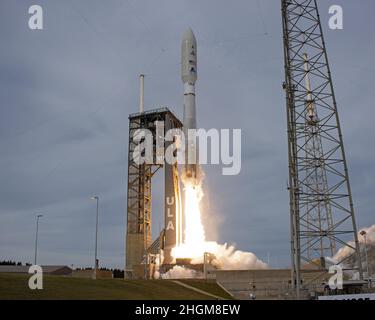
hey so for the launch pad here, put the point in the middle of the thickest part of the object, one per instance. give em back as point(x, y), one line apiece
point(321, 206)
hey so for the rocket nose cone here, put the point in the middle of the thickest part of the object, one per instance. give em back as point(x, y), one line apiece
point(189, 57)
point(189, 36)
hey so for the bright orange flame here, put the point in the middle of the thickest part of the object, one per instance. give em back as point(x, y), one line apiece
point(194, 244)
point(194, 237)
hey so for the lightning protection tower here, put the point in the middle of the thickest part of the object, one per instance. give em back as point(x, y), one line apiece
point(321, 206)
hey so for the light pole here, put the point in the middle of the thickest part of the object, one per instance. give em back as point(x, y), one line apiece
point(363, 233)
point(36, 237)
point(96, 262)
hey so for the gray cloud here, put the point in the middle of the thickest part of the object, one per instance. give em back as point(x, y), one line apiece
point(66, 92)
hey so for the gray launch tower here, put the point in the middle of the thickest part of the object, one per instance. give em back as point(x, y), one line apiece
point(139, 195)
point(321, 206)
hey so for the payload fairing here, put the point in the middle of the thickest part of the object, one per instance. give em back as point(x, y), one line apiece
point(189, 77)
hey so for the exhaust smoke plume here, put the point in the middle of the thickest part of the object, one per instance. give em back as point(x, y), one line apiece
point(345, 252)
point(195, 245)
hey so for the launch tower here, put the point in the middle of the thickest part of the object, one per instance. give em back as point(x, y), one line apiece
point(321, 206)
point(139, 194)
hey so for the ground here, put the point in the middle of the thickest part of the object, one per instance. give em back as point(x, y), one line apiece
point(15, 286)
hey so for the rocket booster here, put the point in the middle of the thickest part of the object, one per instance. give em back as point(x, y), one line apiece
point(189, 77)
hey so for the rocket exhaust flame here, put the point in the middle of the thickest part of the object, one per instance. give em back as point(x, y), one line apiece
point(194, 231)
point(194, 235)
point(194, 244)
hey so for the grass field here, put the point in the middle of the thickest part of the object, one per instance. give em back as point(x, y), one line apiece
point(15, 286)
point(207, 286)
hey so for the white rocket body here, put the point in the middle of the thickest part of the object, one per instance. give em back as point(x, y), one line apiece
point(189, 77)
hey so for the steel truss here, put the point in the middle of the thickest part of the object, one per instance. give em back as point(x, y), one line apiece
point(321, 206)
point(139, 193)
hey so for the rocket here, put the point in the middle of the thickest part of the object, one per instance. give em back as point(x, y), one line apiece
point(189, 77)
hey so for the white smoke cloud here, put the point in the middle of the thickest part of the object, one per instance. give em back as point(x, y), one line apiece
point(228, 258)
point(370, 235)
point(179, 272)
point(346, 251)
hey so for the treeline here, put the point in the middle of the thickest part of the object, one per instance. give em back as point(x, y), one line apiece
point(117, 273)
point(13, 263)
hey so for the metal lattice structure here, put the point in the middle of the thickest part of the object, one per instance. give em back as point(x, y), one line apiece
point(321, 206)
point(139, 193)
point(316, 190)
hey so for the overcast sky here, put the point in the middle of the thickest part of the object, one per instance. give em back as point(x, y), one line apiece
point(66, 92)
